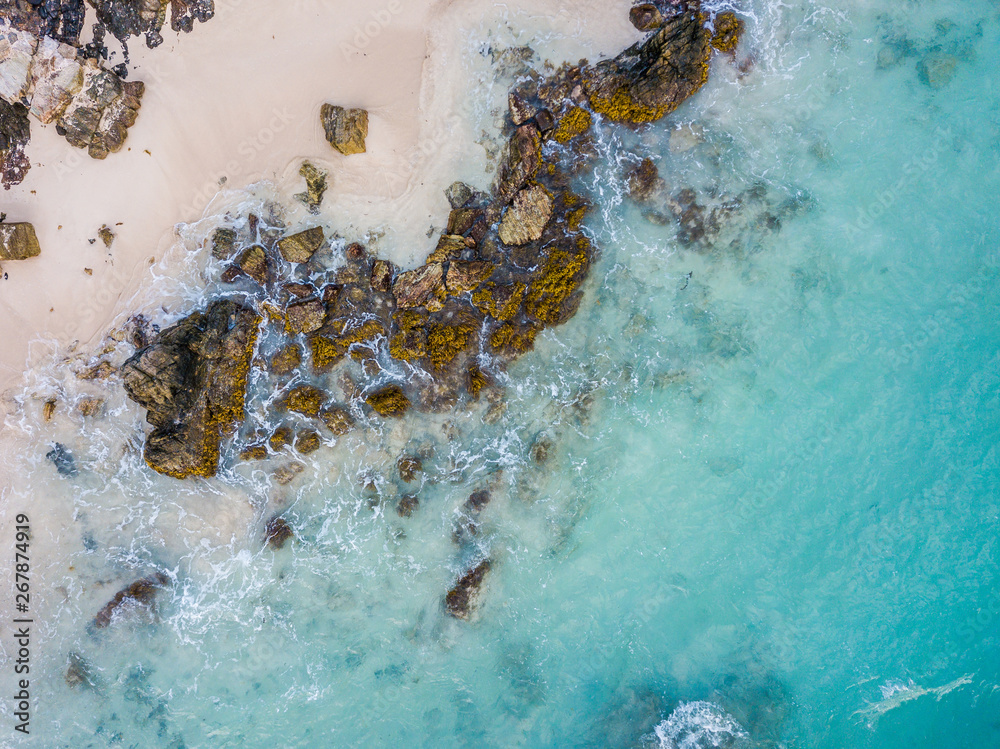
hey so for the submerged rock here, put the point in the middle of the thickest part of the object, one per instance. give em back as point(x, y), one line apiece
point(79, 673)
point(141, 593)
point(462, 599)
point(937, 69)
point(278, 532)
point(408, 504)
point(18, 241)
point(192, 380)
point(346, 129)
point(62, 459)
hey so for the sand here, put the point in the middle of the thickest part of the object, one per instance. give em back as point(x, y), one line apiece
point(237, 101)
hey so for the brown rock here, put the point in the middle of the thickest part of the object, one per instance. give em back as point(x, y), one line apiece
point(646, 17)
point(18, 241)
point(337, 420)
point(467, 275)
point(304, 317)
point(192, 380)
point(286, 360)
point(91, 406)
point(389, 401)
point(381, 278)
point(417, 287)
point(253, 261)
point(520, 163)
point(278, 532)
point(461, 599)
point(307, 441)
point(459, 194)
point(527, 217)
point(408, 504)
point(140, 593)
point(651, 79)
point(520, 110)
point(305, 399)
point(409, 467)
point(223, 244)
point(346, 129)
point(643, 180)
point(280, 437)
point(299, 248)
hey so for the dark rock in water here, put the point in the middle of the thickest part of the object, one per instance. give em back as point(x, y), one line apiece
point(305, 399)
point(140, 593)
point(15, 132)
point(409, 467)
point(278, 532)
point(286, 360)
point(520, 110)
point(408, 504)
point(643, 180)
point(652, 78)
point(937, 69)
point(223, 244)
point(477, 501)
point(459, 195)
point(337, 420)
point(18, 241)
point(462, 599)
point(307, 442)
point(389, 401)
point(79, 673)
point(254, 262)
point(62, 460)
point(346, 129)
point(192, 380)
point(728, 30)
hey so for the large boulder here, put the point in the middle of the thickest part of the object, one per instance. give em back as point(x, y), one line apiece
point(346, 129)
point(527, 217)
point(650, 79)
point(18, 242)
point(192, 380)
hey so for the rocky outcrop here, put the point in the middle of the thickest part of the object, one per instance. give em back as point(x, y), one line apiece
point(140, 594)
point(192, 380)
point(509, 264)
point(92, 107)
point(128, 18)
point(346, 129)
point(18, 241)
point(652, 78)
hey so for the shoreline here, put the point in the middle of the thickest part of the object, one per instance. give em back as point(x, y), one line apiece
point(402, 75)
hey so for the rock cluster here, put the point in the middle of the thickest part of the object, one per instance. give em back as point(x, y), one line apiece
point(92, 107)
point(509, 264)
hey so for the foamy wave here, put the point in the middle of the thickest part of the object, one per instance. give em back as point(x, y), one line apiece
point(700, 725)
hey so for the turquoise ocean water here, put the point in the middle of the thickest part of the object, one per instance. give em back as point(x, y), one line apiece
point(748, 497)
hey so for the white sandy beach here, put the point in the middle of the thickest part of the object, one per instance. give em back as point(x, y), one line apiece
point(237, 101)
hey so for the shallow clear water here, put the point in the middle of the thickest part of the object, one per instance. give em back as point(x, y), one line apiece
point(768, 516)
